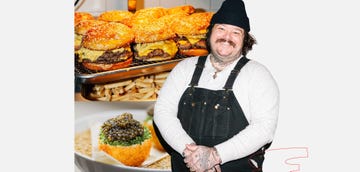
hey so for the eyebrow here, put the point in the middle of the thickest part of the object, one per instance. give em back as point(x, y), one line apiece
point(237, 29)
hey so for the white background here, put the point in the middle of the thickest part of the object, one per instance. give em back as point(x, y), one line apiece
point(311, 47)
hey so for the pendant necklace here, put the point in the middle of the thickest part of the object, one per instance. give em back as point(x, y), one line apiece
point(215, 67)
point(215, 74)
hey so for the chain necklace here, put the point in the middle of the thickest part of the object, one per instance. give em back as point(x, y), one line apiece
point(218, 66)
point(216, 72)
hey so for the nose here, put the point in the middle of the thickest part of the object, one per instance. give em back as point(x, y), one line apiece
point(226, 35)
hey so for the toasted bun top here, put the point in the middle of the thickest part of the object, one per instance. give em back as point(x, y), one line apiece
point(188, 9)
point(83, 26)
point(157, 30)
point(108, 36)
point(147, 15)
point(79, 16)
point(195, 23)
point(123, 17)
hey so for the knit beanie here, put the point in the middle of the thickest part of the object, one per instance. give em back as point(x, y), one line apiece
point(232, 12)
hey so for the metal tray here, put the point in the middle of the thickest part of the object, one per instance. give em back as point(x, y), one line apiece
point(137, 68)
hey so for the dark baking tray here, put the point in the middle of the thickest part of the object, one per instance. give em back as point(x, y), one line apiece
point(137, 68)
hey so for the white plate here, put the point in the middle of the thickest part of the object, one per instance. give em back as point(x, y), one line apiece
point(102, 161)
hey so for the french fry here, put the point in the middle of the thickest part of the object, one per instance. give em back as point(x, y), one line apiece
point(135, 89)
point(117, 84)
point(130, 86)
point(148, 80)
point(159, 81)
point(138, 95)
point(142, 84)
point(161, 75)
point(146, 89)
point(148, 94)
point(108, 94)
point(118, 91)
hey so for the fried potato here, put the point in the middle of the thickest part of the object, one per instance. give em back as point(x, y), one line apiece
point(141, 88)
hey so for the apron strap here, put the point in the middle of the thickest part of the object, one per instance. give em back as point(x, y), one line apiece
point(198, 70)
point(234, 73)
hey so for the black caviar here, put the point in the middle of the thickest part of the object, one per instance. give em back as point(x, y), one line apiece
point(122, 128)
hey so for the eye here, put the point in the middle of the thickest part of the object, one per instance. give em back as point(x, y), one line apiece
point(221, 28)
point(237, 32)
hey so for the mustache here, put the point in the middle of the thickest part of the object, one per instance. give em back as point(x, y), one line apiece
point(224, 40)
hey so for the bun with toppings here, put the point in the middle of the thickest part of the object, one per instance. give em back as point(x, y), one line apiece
point(154, 41)
point(119, 16)
point(125, 139)
point(81, 28)
point(107, 47)
point(147, 15)
point(191, 33)
point(80, 16)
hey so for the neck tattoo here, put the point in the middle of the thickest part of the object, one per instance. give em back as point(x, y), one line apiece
point(219, 65)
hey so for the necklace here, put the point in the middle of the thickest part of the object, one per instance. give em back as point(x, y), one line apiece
point(219, 65)
point(215, 73)
point(218, 68)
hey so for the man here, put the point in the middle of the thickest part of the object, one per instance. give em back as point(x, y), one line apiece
point(219, 113)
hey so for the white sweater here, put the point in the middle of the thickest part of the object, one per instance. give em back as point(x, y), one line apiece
point(254, 88)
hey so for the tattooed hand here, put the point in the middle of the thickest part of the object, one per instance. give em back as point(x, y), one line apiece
point(201, 158)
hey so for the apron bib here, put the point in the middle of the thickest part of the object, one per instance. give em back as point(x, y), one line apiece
point(211, 117)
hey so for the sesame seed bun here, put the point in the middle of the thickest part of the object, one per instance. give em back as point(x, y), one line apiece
point(80, 16)
point(120, 16)
point(108, 36)
point(191, 33)
point(195, 23)
point(147, 15)
point(106, 47)
point(83, 26)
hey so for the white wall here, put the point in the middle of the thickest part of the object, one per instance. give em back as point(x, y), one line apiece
point(312, 49)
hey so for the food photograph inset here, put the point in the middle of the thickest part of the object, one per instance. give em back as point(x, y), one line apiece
point(118, 140)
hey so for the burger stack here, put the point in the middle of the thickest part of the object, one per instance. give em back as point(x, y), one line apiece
point(116, 38)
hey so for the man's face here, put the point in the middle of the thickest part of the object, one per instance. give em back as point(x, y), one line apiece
point(226, 41)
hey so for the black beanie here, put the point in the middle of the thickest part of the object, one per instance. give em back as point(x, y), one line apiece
point(232, 12)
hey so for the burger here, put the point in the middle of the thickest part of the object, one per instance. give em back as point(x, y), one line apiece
point(154, 41)
point(106, 47)
point(80, 16)
point(125, 139)
point(119, 16)
point(191, 33)
point(147, 15)
point(80, 30)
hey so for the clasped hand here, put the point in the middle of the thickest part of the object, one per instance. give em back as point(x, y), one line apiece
point(201, 158)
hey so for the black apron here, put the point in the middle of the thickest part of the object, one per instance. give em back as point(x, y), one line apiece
point(211, 117)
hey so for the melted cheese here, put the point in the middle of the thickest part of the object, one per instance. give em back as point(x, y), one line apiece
point(78, 39)
point(193, 38)
point(92, 55)
point(168, 46)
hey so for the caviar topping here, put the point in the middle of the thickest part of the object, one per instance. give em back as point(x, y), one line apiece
point(123, 130)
